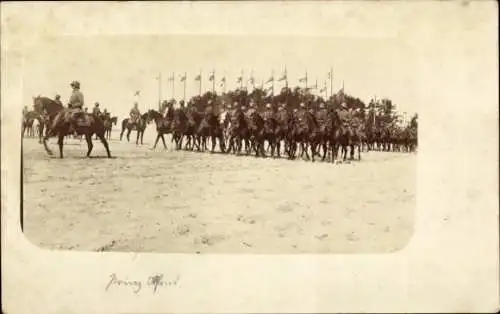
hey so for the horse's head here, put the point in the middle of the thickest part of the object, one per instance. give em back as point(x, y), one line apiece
point(151, 115)
point(114, 120)
point(41, 104)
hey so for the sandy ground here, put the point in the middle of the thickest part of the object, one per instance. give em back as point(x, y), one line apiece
point(176, 201)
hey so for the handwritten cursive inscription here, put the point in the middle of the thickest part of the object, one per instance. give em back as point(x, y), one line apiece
point(154, 281)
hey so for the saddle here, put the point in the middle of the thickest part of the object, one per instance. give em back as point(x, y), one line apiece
point(79, 117)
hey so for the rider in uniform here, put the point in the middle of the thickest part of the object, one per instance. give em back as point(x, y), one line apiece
point(209, 108)
point(268, 113)
point(106, 114)
point(25, 111)
point(76, 98)
point(251, 111)
point(135, 114)
point(75, 103)
point(96, 110)
point(321, 114)
point(58, 99)
point(343, 115)
point(301, 112)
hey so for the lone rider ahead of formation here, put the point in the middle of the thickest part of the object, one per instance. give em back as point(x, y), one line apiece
point(135, 114)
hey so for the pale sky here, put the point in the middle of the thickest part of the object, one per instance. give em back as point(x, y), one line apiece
point(110, 69)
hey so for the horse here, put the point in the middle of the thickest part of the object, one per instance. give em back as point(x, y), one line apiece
point(139, 126)
point(108, 125)
point(64, 121)
point(238, 131)
point(164, 125)
point(271, 134)
point(27, 124)
point(187, 124)
point(255, 124)
point(210, 127)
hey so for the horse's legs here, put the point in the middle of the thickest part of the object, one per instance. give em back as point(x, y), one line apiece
point(104, 143)
point(60, 141)
point(137, 137)
point(88, 137)
point(142, 136)
point(128, 134)
point(162, 139)
point(157, 139)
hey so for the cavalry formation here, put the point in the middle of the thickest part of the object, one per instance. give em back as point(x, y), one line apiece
point(314, 129)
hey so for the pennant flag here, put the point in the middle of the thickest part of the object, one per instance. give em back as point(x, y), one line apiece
point(211, 77)
point(239, 79)
point(303, 79)
point(137, 93)
point(197, 77)
point(329, 74)
point(284, 77)
point(323, 89)
point(270, 79)
point(222, 81)
point(183, 78)
point(251, 80)
point(171, 78)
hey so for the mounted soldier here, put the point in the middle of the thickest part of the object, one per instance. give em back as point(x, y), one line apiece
point(96, 110)
point(57, 99)
point(300, 113)
point(251, 111)
point(343, 115)
point(268, 113)
point(182, 105)
point(135, 114)
point(106, 115)
point(25, 111)
point(321, 114)
point(209, 108)
point(75, 104)
point(76, 98)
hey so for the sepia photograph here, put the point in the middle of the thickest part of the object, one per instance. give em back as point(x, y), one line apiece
point(301, 147)
point(249, 157)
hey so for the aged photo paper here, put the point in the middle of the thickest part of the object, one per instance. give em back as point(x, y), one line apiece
point(250, 157)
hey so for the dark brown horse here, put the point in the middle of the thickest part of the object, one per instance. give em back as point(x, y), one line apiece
point(255, 124)
point(139, 126)
point(187, 124)
point(108, 125)
point(210, 127)
point(164, 125)
point(64, 121)
point(238, 132)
